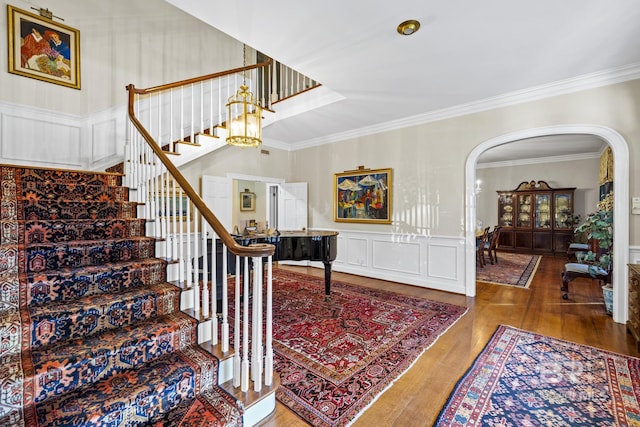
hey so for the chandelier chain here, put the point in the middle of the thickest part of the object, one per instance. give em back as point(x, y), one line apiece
point(244, 64)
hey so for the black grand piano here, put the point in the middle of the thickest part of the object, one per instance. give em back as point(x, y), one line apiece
point(303, 245)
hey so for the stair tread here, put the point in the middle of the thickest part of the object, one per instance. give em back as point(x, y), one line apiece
point(72, 283)
point(69, 320)
point(93, 358)
point(67, 230)
point(81, 220)
point(251, 397)
point(80, 202)
point(96, 269)
point(76, 209)
point(102, 267)
point(56, 255)
point(95, 300)
point(77, 191)
point(41, 174)
point(82, 242)
point(138, 395)
point(204, 410)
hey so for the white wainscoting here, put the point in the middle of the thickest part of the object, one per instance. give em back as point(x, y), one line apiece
point(31, 136)
point(634, 254)
point(435, 262)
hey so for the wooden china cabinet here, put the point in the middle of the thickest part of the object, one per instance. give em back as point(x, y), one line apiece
point(536, 218)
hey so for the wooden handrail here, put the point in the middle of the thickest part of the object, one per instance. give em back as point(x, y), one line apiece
point(197, 79)
point(232, 245)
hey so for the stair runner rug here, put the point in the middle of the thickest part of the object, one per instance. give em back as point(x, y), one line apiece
point(335, 357)
point(511, 269)
point(526, 379)
point(90, 331)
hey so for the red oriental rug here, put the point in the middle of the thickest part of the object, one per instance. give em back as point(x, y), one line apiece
point(334, 358)
point(511, 269)
point(526, 379)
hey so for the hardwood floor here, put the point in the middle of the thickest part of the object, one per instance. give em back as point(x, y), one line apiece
point(417, 397)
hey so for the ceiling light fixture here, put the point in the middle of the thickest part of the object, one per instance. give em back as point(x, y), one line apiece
point(408, 27)
point(244, 115)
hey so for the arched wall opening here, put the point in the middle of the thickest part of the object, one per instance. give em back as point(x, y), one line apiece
point(621, 205)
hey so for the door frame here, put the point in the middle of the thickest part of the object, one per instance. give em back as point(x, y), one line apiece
point(265, 179)
point(620, 214)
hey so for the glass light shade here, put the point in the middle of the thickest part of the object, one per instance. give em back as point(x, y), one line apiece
point(244, 116)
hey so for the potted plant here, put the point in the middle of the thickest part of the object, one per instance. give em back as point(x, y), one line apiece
point(598, 227)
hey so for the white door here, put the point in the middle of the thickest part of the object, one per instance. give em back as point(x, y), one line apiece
point(216, 193)
point(292, 206)
point(272, 205)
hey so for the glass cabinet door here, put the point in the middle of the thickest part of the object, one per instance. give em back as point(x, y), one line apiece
point(563, 211)
point(543, 210)
point(524, 211)
point(505, 210)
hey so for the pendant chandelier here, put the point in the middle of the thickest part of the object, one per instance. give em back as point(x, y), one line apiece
point(244, 115)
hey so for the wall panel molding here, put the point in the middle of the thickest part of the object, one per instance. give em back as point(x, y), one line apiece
point(36, 137)
point(435, 262)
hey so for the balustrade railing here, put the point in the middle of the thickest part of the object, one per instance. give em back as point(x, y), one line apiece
point(287, 82)
point(178, 216)
point(181, 112)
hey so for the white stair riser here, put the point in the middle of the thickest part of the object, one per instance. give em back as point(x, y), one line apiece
point(256, 413)
point(186, 299)
point(225, 370)
point(204, 331)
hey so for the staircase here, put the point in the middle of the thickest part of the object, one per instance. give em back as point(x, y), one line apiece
point(91, 332)
point(104, 318)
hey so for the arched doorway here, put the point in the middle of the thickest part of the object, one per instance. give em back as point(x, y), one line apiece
point(621, 203)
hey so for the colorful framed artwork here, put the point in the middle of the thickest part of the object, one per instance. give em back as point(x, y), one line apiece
point(172, 206)
point(43, 49)
point(363, 195)
point(247, 201)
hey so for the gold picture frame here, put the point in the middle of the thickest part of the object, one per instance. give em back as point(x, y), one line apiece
point(247, 201)
point(42, 49)
point(363, 195)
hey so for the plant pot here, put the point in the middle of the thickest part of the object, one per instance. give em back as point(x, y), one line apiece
point(607, 292)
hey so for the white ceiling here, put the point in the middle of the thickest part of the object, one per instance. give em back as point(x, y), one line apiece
point(467, 56)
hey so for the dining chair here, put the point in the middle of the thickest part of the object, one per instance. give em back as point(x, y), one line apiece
point(492, 245)
point(481, 241)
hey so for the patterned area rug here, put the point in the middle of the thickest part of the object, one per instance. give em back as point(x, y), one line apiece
point(527, 379)
point(334, 358)
point(511, 269)
point(90, 331)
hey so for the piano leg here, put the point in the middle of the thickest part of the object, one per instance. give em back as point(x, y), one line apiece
point(327, 280)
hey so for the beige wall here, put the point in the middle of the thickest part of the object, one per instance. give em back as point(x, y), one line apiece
point(429, 160)
point(144, 42)
point(581, 174)
point(239, 161)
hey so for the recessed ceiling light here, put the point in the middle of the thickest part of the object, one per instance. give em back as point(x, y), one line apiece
point(408, 27)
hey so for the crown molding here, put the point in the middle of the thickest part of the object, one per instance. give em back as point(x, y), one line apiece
point(561, 87)
point(539, 160)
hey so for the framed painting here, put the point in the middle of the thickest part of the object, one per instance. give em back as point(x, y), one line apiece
point(172, 206)
point(247, 201)
point(43, 49)
point(363, 195)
